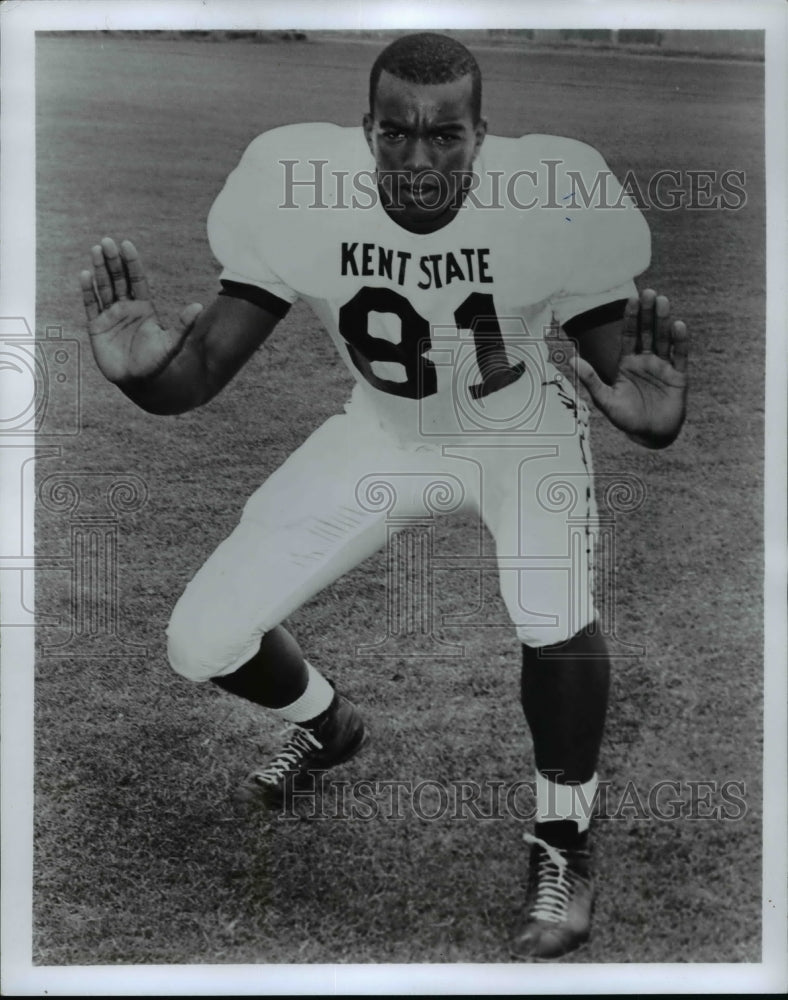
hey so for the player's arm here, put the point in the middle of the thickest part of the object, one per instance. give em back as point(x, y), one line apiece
point(635, 369)
point(164, 369)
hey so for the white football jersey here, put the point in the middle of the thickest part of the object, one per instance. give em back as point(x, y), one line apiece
point(425, 321)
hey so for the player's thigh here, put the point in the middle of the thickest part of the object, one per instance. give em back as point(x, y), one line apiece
point(299, 532)
point(331, 505)
point(542, 515)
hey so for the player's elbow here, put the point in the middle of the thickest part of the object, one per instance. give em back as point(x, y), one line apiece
point(655, 442)
point(162, 404)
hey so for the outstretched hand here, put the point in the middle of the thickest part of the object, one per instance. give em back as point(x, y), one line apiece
point(647, 398)
point(128, 341)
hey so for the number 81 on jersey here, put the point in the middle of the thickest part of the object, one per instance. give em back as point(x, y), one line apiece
point(476, 314)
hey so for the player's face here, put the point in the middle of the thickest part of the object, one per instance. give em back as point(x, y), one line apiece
point(424, 139)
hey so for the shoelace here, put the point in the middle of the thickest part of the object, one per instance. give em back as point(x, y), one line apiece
point(300, 743)
point(553, 883)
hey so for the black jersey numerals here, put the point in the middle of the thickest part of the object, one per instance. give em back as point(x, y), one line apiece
point(419, 378)
point(477, 314)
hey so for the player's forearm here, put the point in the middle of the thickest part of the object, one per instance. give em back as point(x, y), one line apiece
point(600, 346)
point(220, 341)
point(163, 394)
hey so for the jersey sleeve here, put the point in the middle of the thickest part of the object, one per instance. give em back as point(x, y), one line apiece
point(608, 241)
point(244, 224)
point(567, 307)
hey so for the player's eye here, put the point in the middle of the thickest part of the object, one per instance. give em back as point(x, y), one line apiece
point(446, 138)
point(394, 135)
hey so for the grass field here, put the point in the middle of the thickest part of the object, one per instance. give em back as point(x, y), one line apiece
point(139, 856)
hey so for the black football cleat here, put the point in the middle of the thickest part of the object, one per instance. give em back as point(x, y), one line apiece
point(560, 892)
point(333, 737)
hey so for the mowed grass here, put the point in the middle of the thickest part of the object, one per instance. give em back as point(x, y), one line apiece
point(140, 857)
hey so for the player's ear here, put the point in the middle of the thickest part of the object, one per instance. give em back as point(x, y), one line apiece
point(480, 131)
point(367, 123)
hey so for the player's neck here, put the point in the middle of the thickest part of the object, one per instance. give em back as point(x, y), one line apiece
point(424, 227)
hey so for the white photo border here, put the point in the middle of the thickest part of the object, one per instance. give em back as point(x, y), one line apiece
point(17, 299)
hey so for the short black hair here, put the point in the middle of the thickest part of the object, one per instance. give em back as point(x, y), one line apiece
point(427, 57)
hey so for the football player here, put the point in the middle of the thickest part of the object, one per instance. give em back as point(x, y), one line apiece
point(436, 257)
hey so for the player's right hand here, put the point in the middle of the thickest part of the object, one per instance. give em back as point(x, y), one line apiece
point(128, 341)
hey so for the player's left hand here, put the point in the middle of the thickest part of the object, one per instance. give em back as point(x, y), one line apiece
point(648, 397)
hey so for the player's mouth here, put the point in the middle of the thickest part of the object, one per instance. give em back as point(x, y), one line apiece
point(421, 193)
point(425, 194)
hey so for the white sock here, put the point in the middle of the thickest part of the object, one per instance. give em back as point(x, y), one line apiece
point(316, 698)
point(556, 802)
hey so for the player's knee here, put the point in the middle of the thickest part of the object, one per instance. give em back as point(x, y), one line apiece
point(537, 636)
point(199, 650)
point(544, 609)
point(181, 654)
point(187, 654)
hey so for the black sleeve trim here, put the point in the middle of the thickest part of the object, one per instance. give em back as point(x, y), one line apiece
point(257, 296)
point(607, 313)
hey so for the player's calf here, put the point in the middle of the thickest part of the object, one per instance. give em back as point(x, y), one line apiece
point(326, 728)
point(564, 696)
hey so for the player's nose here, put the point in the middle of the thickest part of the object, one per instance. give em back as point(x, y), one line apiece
point(418, 157)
